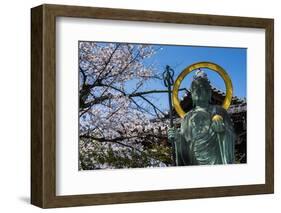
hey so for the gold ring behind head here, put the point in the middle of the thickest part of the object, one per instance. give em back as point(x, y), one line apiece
point(189, 69)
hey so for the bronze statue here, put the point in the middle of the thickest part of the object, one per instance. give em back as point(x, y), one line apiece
point(206, 135)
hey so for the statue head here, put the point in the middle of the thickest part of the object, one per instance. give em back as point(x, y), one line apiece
point(200, 89)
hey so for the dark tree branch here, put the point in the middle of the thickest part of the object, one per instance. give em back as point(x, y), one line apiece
point(122, 138)
point(139, 107)
point(99, 100)
point(153, 106)
point(83, 76)
point(107, 62)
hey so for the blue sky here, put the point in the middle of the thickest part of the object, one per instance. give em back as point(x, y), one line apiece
point(233, 60)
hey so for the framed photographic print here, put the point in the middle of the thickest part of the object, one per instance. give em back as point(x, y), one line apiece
point(136, 106)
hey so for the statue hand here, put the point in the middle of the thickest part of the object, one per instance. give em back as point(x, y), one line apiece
point(218, 124)
point(171, 134)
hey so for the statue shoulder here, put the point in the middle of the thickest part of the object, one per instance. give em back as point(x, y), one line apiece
point(186, 119)
point(188, 115)
point(217, 109)
point(221, 111)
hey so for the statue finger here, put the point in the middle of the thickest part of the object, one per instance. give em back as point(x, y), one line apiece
point(216, 124)
point(221, 127)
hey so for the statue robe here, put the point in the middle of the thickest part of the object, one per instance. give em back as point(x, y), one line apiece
point(197, 144)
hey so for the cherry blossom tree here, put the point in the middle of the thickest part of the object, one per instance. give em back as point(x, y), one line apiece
point(121, 126)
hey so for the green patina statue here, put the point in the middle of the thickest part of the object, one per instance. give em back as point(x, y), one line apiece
point(206, 136)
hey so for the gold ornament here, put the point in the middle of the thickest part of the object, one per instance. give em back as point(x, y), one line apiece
point(189, 69)
point(217, 118)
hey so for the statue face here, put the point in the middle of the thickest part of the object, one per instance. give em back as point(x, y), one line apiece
point(200, 93)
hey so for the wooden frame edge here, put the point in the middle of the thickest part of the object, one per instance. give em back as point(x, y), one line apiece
point(269, 118)
point(36, 106)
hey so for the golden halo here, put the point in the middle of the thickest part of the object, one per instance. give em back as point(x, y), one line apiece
point(189, 69)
